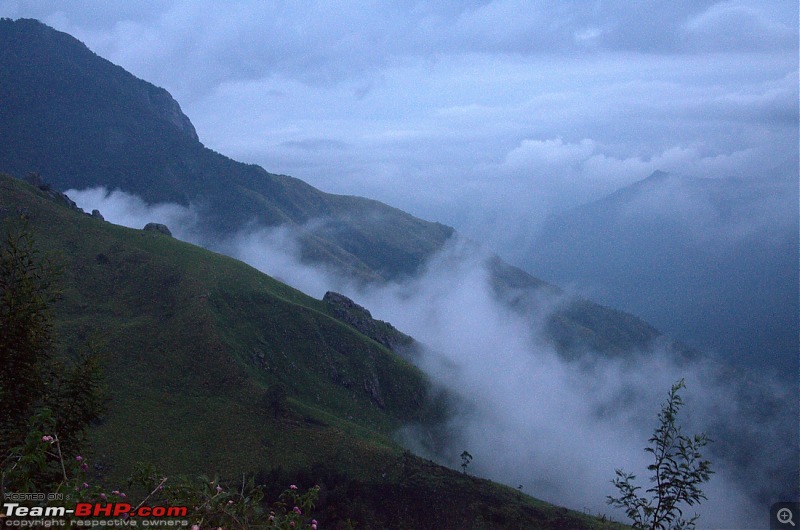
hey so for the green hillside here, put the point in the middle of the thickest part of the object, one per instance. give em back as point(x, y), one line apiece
point(194, 345)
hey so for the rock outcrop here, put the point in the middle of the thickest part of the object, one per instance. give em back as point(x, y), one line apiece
point(361, 319)
point(158, 227)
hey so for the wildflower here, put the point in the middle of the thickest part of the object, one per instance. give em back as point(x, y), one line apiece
point(115, 492)
point(292, 487)
point(122, 494)
point(297, 510)
point(195, 527)
point(79, 458)
point(103, 496)
point(84, 466)
point(313, 526)
point(219, 489)
point(85, 485)
point(230, 502)
point(47, 438)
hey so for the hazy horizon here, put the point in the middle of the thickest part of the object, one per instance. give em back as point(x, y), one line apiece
point(493, 114)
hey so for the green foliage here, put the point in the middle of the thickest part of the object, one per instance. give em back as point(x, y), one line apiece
point(678, 472)
point(41, 397)
point(215, 503)
point(77, 396)
point(41, 465)
point(32, 377)
point(26, 339)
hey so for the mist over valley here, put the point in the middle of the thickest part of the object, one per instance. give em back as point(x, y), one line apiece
point(562, 220)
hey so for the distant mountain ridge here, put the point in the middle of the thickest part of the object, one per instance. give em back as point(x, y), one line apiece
point(81, 121)
point(720, 257)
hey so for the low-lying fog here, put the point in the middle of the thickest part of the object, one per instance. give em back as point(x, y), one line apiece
point(530, 418)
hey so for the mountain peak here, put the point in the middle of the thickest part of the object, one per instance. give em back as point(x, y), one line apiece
point(41, 67)
point(657, 176)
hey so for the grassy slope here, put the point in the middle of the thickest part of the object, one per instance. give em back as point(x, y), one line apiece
point(191, 340)
point(185, 327)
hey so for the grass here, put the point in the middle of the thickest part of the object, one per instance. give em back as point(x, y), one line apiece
point(192, 340)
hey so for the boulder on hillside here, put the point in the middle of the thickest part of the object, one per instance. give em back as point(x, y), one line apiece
point(158, 227)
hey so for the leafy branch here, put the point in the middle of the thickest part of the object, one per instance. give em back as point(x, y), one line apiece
point(678, 468)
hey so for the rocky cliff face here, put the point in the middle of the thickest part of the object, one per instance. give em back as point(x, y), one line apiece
point(361, 319)
point(165, 105)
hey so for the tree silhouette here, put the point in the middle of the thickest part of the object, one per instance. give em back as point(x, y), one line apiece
point(466, 458)
point(678, 471)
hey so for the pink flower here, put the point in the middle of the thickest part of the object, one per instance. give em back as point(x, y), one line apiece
point(292, 487)
point(122, 495)
point(313, 526)
point(103, 496)
point(47, 438)
point(85, 485)
point(297, 510)
point(79, 458)
point(115, 492)
point(219, 489)
point(84, 466)
point(195, 527)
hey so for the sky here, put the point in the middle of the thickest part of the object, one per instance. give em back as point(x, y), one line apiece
point(486, 116)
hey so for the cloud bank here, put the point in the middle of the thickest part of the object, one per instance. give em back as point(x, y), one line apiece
point(495, 112)
point(529, 417)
